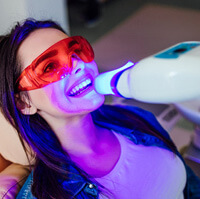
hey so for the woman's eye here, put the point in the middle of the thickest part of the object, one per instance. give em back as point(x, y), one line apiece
point(50, 67)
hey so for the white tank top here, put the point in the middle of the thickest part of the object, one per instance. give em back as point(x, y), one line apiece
point(144, 172)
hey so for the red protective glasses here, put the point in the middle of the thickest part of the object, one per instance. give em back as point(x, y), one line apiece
point(55, 63)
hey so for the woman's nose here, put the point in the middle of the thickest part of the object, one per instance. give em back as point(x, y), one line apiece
point(77, 65)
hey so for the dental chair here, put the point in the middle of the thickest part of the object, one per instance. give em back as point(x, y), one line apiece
point(14, 175)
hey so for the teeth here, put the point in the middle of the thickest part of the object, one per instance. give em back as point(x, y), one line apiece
point(77, 89)
point(80, 86)
point(84, 83)
point(88, 81)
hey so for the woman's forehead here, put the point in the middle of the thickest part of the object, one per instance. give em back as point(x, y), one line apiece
point(36, 43)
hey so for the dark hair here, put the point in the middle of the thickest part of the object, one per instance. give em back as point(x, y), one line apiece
point(52, 162)
point(50, 157)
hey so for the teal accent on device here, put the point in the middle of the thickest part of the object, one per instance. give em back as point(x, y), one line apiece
point(176, 51)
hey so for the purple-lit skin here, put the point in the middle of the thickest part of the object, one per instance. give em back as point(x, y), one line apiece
point(53, 99)
point(69, 116)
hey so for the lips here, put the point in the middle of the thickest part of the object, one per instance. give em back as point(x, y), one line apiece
point(80, 87)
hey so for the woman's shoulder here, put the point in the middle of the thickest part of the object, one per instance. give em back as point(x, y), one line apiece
point(127, 111)
point(128, 119)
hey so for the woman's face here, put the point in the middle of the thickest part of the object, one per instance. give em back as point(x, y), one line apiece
point(67, 97)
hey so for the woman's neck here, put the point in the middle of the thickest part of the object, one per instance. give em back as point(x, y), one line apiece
point(78, 135)
point(94, 149)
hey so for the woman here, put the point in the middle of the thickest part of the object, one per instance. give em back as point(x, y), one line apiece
point(83, 149)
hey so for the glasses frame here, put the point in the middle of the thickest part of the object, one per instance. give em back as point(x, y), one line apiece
point(75, 45)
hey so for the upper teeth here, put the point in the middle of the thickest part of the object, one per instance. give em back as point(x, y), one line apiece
point(80, 87)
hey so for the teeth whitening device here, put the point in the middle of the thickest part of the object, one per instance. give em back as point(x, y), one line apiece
point(172, 75)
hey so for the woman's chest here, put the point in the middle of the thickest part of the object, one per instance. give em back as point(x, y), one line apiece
point(145, 172)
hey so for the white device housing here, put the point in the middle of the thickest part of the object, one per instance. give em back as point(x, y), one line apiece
point(169, 76)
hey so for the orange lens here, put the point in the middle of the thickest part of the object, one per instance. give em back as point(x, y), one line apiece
point(54, 63)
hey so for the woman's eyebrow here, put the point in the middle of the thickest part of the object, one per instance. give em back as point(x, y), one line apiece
point(46, 56)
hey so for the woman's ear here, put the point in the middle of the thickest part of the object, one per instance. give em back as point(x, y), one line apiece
point(24, 105)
